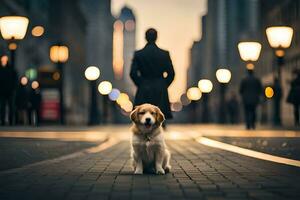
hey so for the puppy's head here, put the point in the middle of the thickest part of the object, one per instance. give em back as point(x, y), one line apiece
point(147, 116)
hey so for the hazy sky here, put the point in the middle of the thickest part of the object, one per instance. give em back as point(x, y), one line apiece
point(178, 25)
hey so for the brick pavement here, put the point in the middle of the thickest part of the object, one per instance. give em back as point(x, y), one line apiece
point(199, 172)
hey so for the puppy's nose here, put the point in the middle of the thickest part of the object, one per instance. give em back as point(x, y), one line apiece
point(148, 120)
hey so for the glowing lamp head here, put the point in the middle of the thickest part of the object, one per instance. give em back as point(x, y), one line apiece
point(279, 36)
point(92, 73)
point(223, 75)
point(59, 54)
point(194, 94)
point(105, 87)
point(269, 92)
point(249, 51)
point(205, 85)
point(13, 27)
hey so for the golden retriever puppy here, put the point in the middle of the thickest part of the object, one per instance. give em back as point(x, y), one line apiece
point(149, 151)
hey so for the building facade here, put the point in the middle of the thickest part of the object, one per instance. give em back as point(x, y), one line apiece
point(226, 23)
point(64, 23)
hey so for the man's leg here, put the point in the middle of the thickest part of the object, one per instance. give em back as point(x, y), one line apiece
point(246, 110)
point(253, 117)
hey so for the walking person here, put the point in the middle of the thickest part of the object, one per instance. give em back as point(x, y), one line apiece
point(250, 90)
point(152, 72)
point(294, 96)
point(8, 82)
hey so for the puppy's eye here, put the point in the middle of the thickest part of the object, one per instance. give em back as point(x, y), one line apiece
point(141, 113)
point(153, 113)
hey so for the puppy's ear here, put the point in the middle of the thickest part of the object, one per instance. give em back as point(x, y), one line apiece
point(160, 117)
point(134, 114)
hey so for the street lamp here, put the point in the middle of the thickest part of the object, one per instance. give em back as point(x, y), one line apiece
point(92, 73)
point(13, 28)
point(205, 87)
point(105, 88)
point(59, 54)
point(249, 52)
point(279, 38)
point(223, 77)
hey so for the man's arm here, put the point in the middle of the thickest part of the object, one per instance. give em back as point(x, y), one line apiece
point(134, 71)
point(170, 70)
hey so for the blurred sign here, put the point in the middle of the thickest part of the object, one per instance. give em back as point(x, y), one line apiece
point(50, 110)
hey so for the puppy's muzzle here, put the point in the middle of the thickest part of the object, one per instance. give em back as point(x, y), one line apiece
point(148, 123)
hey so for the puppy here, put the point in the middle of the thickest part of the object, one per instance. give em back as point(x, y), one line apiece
point(149, 152)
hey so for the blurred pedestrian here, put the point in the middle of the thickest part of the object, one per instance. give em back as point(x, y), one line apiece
point(233, 108)
point(8, 85)
point(152, 72)
point(22, 102)
point(35, 100)
point(250, 90)
point(294, 96)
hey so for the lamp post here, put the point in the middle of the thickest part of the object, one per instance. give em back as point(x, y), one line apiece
point(249, 52)
point(279, 38)
point(59, 54)
point(13, 29)
point(223, 77)
point(104, 88)
point(92, 73)
point(194, 94)
point(205, 87)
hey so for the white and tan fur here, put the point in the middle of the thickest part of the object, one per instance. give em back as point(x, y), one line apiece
point(149, 151)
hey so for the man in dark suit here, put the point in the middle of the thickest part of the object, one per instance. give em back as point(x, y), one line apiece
point(152, 72)
point(250, 90)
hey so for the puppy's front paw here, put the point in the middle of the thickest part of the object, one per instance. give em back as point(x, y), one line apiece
point(138, 171)
point(160, 171)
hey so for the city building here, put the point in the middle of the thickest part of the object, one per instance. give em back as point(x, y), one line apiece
point(226, 23)
point(124, 47)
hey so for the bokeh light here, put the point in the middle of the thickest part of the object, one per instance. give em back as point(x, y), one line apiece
point(123, 98)
point(176, 107)
point(4, 60)
point(114, 94)
point(127, 106)
point(37, 31)
point(205, 85)
point(105, 87)
point(92, 73)
point(223, 75)
point(269, 92)
point(35, 85)
point(185, 100)
point(24, 80)
point(194, 94)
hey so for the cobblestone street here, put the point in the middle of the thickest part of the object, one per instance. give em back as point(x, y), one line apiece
point(199, 172)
